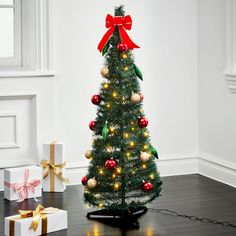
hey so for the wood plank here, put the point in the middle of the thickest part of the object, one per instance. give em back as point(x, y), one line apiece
point(189, 194)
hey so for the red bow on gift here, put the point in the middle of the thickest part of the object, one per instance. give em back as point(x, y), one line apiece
point(123, 23)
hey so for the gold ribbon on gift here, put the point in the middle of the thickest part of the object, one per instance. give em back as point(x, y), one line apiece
point(38, 214)
point(55, 170)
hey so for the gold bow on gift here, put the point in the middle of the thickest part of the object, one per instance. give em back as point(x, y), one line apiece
point(49, 166)
point(39, 213)
point(54, 170)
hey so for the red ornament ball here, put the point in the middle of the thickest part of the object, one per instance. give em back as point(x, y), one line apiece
point(142, 122)
point(122, 47)
point(92, 125)
point(96, 99)
point(141, 96)
point(84, 180)
point(147, 186)
point(110, 164)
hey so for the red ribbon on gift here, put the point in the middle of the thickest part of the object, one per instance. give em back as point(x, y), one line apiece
point(123, 23)
point(23, 188)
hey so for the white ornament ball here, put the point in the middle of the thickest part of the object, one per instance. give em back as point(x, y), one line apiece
point(135, 98)
point(88, 154)
point(144, 156)
point(92, 183)
point(104, 72)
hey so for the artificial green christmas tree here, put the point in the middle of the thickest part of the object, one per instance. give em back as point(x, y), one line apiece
point(122, 175)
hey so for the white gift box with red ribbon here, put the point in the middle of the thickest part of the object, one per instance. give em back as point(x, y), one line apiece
point(22, 183)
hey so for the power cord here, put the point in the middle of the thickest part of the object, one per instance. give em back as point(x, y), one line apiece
point(195, 218)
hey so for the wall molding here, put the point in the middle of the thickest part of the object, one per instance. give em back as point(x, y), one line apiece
point(43, 25)
point(33, 96)
point(11, 164)
point(16, 142)
point(230, 44)
point(232, 83)
point(36, 28)
point(230, 40)
point(23, 95)
point(26, 74)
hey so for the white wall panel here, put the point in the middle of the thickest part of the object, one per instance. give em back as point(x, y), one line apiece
point(9, 127)
point(17, 129)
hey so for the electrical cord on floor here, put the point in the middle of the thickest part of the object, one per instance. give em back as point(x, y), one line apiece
point(195, 218)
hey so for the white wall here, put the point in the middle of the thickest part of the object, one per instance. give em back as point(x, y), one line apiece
point(190, 108)
point(166, 32)
point(187, 101)
point(217, 105)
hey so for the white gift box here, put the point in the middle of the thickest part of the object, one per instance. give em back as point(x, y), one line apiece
point(55, 222)
point(14, 182)
point(53, 152)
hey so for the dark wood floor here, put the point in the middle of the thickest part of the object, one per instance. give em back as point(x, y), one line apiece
point(189, 194)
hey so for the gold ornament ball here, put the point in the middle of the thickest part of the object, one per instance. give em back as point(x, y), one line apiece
point(92, 183)
point(144, 156)
point(135, 98)
point(112, 129)
point(104, 72)
point(109, 148)
point(88, 154)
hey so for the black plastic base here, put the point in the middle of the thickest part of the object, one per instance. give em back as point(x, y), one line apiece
point(129, 215)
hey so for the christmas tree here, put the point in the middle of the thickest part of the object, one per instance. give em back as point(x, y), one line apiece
point(122, 172)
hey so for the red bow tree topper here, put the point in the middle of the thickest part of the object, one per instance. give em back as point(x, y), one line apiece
point(123, 23)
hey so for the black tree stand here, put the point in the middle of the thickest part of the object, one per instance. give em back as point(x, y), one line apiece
point(128, 216)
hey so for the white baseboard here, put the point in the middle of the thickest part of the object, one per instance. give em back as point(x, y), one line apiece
point(170, 165)
point(178, 166)
point(75, 174)
point(217, 169)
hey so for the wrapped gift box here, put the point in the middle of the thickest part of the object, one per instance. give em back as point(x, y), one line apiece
point(53, 153)
point(22, 183)
point(19, 226)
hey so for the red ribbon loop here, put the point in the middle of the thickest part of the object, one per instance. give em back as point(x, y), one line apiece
point(123, 23)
